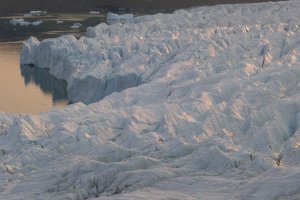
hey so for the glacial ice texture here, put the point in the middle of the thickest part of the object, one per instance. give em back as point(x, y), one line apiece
point(198, 104)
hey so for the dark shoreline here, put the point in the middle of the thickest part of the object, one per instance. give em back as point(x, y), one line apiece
point(17, 6)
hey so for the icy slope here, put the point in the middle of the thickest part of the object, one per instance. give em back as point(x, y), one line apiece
point(200, 104)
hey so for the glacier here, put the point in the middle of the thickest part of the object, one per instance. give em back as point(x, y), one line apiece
point(198, 104)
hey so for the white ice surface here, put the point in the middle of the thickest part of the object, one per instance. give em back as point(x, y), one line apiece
point(27, 15)
point(19, 21)
point(37, 12)
point(94, 12)
point(37, 23)
point(76, 25)
point(112, 17)
point(199, 104)
point(22, 22)
point(59, 21)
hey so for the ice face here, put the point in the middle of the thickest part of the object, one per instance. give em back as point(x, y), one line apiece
point(29, 51)
point(198, 104)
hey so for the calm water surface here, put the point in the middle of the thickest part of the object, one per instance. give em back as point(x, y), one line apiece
point(19, 91)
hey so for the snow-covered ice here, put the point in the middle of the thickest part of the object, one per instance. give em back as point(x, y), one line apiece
point(23, 22)
point(76, 25)
point(37, 23)
point(35, 13)
point(19, 21)
point(27, 15)
point(112, 17)
point(59, 21)
point(198, 104)
point(94, 12)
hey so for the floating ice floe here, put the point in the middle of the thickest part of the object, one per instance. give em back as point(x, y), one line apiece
point(19, 21)
point(76, 25)
point(23, 22)
point(198, 104)
point(94, 12)
point(59, 21)
point(27, 15)
point(37, 23)
point(35, 13)
point(112, 17)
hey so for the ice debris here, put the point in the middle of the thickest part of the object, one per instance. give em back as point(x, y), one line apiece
point(76, 25)
point(59, 21)
point(22, 22)
point(37, 23)
point(94, 12)
point(19, 21)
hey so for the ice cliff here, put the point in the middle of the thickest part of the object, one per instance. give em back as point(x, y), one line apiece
point(198, 104)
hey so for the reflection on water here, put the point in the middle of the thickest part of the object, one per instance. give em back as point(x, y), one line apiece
point(39, 94)
point(48, 83)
